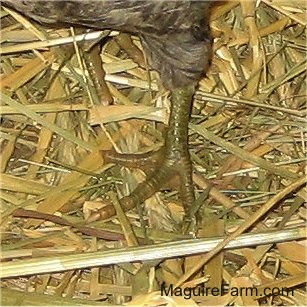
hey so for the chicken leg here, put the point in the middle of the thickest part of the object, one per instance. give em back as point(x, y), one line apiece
point(175, 36)
point(174, 157)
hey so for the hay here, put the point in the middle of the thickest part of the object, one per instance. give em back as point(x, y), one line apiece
point(247, 142)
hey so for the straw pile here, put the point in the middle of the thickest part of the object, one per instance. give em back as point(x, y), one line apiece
point(247, 142)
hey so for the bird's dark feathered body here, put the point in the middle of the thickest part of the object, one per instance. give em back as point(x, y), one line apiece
point(174, 34)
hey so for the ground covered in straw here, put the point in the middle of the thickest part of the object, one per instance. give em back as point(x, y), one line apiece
point(247, 143)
